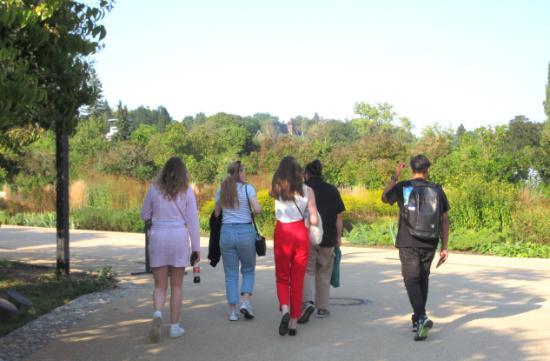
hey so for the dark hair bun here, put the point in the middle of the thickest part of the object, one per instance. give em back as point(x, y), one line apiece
point(315, 168)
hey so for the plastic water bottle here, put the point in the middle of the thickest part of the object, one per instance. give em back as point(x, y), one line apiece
point(196, 273)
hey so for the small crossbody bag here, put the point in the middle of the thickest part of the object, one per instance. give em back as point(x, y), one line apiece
point(260, 240)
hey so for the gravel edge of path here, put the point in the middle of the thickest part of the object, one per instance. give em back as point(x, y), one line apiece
point(24, 341)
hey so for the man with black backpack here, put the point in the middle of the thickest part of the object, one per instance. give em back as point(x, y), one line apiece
point(423, 220)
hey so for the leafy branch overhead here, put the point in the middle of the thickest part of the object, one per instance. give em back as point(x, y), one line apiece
point(45, 63)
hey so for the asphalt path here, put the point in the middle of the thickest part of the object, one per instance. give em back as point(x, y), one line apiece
point(484, 308)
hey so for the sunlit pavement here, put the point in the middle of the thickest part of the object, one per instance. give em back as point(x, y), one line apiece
point(484, 308)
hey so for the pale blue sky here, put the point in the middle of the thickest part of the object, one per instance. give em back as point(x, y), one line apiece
point(471, 62)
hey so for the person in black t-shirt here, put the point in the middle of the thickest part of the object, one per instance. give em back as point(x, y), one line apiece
point(416, 252)
point(321, 257)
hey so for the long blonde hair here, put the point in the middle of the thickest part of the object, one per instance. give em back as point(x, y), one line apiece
point(173, 179)
point(228, 190)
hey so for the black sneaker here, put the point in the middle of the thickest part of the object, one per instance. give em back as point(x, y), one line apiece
point(414, 323)
point(424, 326)
point(306, 314)
point(283, 326)
point(322, 313)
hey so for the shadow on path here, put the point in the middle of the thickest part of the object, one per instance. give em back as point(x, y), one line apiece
point(477, 316)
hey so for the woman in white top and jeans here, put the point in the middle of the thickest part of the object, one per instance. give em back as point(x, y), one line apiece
point(237, 238)
point(291, 241)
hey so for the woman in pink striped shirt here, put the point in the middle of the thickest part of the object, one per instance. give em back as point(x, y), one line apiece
point(171, 206)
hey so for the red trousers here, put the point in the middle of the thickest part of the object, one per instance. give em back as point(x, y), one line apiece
point(291, 249)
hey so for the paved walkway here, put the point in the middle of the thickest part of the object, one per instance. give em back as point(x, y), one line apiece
point(484, 308)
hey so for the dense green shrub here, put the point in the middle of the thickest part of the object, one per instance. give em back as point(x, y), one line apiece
point(47, 220)
point(365, 205)
point(477, 204)
point(531, 218)
point(204, 216)
point(473, 240)
point(98, 197)
point(380, 233)
point(266, 220)
point(108, 219)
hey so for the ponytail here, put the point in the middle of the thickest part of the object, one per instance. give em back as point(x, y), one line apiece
point(228, 190)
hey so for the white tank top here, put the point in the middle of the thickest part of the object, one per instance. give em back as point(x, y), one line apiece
point(286, 211)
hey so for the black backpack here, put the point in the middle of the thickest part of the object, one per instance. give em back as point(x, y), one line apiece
point(422, 212)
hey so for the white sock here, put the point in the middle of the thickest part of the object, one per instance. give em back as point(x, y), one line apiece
point(157, 314)
point(175, 326)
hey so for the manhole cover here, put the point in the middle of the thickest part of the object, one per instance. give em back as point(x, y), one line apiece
point(341, 301)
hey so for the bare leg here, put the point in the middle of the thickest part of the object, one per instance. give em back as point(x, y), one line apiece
point(285, 309)
point(160, 274)
point(293, 323)
point(176, 281)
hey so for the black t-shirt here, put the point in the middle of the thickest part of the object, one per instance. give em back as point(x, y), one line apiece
point(329, 204)
point(404, 238)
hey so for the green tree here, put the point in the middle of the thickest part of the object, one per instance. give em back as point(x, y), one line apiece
point(373, 117)
point(46, 76)
point(435, 142)
point(101, 109)
point(460, 131)
point(13, 144)
point(334, 131)
point(547, 101)
point(174, 141)
point(523, 133)
point(144, 133)
point(88, 141)
point(160, 118)
point(542, 160)
point(128, 158)
point(163, 118)
point(124, 123)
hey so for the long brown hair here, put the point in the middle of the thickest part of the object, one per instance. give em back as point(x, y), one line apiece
point(173, 179)
point(228, 190)
point(287, 180)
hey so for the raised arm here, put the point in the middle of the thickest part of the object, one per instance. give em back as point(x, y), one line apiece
point(392, 182)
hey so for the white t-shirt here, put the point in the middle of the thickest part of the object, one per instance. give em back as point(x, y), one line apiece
point(286, 211)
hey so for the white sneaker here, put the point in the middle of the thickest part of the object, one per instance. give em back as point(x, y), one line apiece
point(246, 310)
point(234, 315)
point(176, 332)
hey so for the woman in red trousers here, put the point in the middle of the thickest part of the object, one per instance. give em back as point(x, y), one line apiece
point(293, 201)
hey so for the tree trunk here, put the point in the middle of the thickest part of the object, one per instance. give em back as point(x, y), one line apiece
point(62, 199)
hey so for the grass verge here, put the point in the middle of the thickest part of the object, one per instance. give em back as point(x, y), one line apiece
point(45, 290)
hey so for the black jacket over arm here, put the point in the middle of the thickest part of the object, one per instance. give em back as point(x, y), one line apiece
point(214, 252)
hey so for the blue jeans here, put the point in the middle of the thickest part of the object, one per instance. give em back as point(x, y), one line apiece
point(237, 244)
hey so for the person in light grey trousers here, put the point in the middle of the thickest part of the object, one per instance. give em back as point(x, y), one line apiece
point(321, 258)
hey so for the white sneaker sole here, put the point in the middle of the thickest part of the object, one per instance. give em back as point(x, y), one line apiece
point(176, 335)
